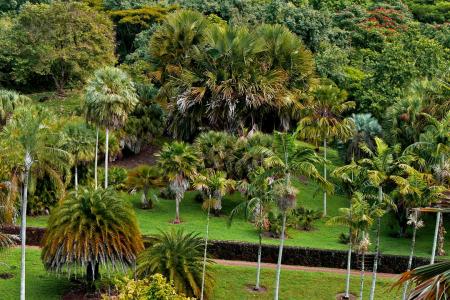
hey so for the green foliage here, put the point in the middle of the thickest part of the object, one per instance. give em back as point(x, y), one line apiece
point(179, 257)
point(9, 101)
point(89, 228)
point(303, 218)
point(143, 178)
point(117, 177)
point(64, 41)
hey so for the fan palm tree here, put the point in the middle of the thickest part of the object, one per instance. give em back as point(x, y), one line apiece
point(216, 185)
point(110, 97)
point(366, 129)
point(431, 281)
point(9, 101)
point(179, 162)
point(78, 139)
point(323, 121)
point(261, 200)
point(216, 148)
point(28, 138)
point(178, 256)
point(289, 159)
point(89, 229)
point(143, 178)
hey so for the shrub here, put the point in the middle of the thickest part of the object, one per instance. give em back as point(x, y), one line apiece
point(303, 218)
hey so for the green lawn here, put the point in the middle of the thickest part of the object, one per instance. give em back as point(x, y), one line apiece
point(323, 236)
point(230, 282)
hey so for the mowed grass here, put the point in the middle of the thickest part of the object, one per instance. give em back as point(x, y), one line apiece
point(231, 282)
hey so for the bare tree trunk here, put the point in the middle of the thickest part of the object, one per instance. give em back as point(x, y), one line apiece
point(411, 255)
point(96, 161)
point(177, 209)
point(206, 248)
point(377, 249)
point(361, 284)
point(436, 231)
point(325, 176)
point(349, 265)
point(441, 238)
point(23, 225)
point(258, 268)
point(106, 157)
point(76, 177)
point(280, 256)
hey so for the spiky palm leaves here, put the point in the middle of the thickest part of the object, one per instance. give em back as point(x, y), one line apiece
point(179, 162)
point(179, 257)
point(9, 101)
point(217, 149)
point(143, 178)
point(366, 129)
point(110, 97)
point(91, 228)
point(215, 185)
point(431, 281)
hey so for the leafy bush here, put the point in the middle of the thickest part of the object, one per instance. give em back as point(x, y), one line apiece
point(303, 218)
point(117, 177)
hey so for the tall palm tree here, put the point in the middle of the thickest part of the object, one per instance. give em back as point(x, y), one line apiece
point(289, 159)
point(323, 120)
point(29, 139)
point(89, 229)
point(178, 256)
point(143, 178)
point(78, 139)
point(385, 166)
point(261, 200)
point(179, 162)
point(366, 129)
point(110, 97)
point(9, 101)
point(216, 185)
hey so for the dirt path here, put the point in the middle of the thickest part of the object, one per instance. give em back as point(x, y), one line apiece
point(145, 157)
point(298, 268)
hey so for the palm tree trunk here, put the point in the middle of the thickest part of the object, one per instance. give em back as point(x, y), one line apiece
point(361, 284)
point(76, 177)
point(349, 265)
point(106, 157)
point(375, 261)
point(441, 237)
point(206, 248)
point(411, 255)
point(280, 256)
point(325, 176)
point(258, 268)
point(177, 209)
point(96, 160)
point(436, 231)
point(23, 225)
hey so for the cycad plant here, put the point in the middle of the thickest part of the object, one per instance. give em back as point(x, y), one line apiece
point(179, 163)
point(89, 229)
point(143, 178)
point(324, 120)
point(178, 256)
point(30, 144)
point(110, 96)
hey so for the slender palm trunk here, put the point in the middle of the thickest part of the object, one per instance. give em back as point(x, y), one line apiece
point(76, 177)
point(325, 176)
point(441, 237)
point(205, 252)
point(349, 257)
point(258, 268)
point(23, 225)
point(177, 208)
point(106, 157)
point(411, 255)
point(361, 284)
point(436, 231)
point(96, 161)
point(280, 256)
point(377, 249)
point(145, 204)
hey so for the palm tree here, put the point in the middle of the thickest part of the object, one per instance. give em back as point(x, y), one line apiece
point(216, 148)
point(216, 185)
point(178, 256)
point(9, 101)
point(366, 129)
point(179, 162)
point(431, 281)
point(383, 167)
point(78, 139)
point(89, 229)
point(28, 136)
point(260, 194)
point(143, 178)
point(323, 121)
point(289, 159)
point(110, 97)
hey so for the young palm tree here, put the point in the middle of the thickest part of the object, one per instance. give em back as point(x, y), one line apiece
point(216, 148)
point(365, 131)
point(178, 256)
point(28, 138)
point(89, 229)
point(323, 121)
point(9, 101)
point(179, 162)
point(143, 178)
point(289, 159)
point(259, 191)
point(110, 97)
point(78, 139)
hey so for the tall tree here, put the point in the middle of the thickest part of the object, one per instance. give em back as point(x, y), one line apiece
point(63, 40)
point(110, 97)
point(28, 137)
point(323, 120)
point(180, 163)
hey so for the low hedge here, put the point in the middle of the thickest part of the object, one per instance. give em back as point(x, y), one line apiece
point(231, 250)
